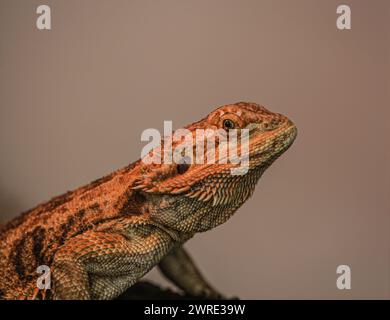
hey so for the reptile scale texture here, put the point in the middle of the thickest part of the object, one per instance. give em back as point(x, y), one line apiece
point(100, 239)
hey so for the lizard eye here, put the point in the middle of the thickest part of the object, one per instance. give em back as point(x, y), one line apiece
point(228, 124)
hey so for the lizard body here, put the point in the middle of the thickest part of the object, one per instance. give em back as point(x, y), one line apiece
point(98, 240)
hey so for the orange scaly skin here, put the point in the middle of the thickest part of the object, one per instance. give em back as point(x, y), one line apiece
point(98, 240)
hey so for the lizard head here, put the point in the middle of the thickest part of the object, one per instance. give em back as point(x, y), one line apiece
point(202, 188)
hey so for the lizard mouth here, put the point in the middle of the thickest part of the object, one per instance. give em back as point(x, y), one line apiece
point(269, 145)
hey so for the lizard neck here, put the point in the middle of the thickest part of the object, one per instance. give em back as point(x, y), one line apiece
point(187, 215)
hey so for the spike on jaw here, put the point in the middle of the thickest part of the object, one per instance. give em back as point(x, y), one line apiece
point(180, 190)
point(139, 187)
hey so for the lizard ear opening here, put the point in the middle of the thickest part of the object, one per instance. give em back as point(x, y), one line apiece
point(182, 167)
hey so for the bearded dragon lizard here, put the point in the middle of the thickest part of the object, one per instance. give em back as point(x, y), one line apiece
point(100, 239)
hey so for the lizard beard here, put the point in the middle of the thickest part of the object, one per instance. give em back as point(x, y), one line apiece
point(191, 215)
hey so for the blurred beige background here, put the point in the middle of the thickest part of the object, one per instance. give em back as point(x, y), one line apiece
point(74, 101)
